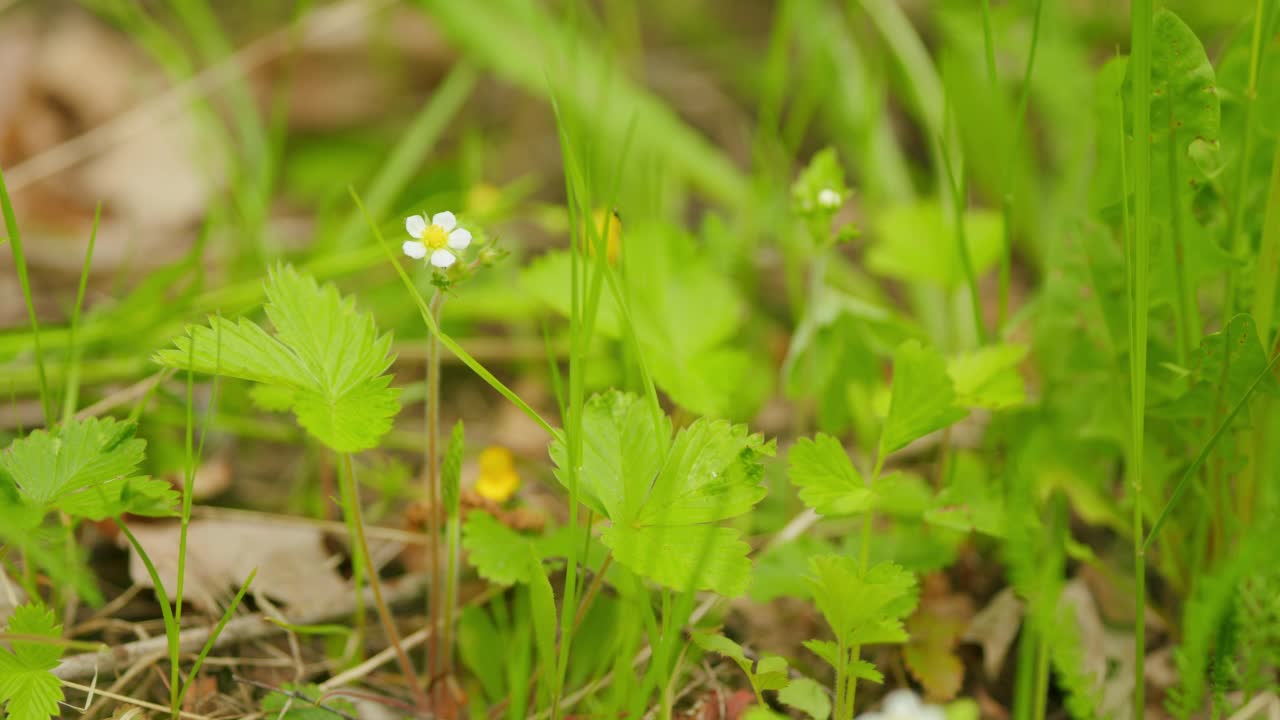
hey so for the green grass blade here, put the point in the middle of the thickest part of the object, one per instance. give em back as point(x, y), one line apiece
point(20, 262)
point(71, 394)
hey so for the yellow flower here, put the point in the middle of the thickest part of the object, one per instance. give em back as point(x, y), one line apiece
point(498, 479)
point(613, 238)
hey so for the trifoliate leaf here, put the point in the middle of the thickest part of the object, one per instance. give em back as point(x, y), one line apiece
point(329, 355)
point(28, 688)
point(661, 501)
point(923, 399)
point(917, 243)
point(988, 377)
point(862, 608)
point(807, 696)
point(85, 468)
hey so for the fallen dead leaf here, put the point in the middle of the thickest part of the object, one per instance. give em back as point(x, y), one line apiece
point(11, 596)
point(292, 563)
point(994, 628)
point(935, 629)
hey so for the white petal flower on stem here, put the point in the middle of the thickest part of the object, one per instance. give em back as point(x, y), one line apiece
point(438, 238)
point(904, 704)
point(829, 198)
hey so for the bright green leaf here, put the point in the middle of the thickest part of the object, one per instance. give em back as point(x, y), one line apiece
point(916, 243)
point(923, 398)
point(86, 469)
point(862, 608)
point(807, 696)
point(683, 557)
point(988, 377)
point(451, 470)
point(772, 672)
point(828, 481)
point(326, 353)
point(28, 688)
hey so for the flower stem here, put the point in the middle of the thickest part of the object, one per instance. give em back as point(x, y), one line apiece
point(435, 506)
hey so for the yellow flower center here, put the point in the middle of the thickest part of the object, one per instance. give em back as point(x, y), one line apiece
point(435, 237)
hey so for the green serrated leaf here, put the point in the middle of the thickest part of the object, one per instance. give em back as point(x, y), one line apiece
point(683, 557)
point(711, 474)
point(621, 455)
point(667, 498)
point(326, 354)
point(807, 696)
point(28, 688)
point(923, 399)
point(496, 551)
point(721, 645)
point(85, 468)
point(828, 481)
point(862, 608)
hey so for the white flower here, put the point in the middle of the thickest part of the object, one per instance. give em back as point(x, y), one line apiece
point(829, 199)
point(438, 235)
point(904, 705)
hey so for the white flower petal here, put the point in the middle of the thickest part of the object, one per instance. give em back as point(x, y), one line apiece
point(901, 703)
point(415, 225)
point(445, 220)
point(442, 258)
point(829, 198)
point(932, 712)
point(414, 249)
point(459, 239)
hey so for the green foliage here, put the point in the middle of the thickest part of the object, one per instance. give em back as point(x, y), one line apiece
point(28, 688)
point(85, 468)
point(328, 355)
point(663, 504)
point(924, 397)
point(807, 696)
point(862, 608)
point(988, 377)
point(915, 244)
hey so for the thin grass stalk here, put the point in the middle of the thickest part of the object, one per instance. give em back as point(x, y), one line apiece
point(20, 264)
point(1139, 259)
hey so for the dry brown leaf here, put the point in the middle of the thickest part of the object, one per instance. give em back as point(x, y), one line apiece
point(935, 629)
point(293, 566)
point(994, 628)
